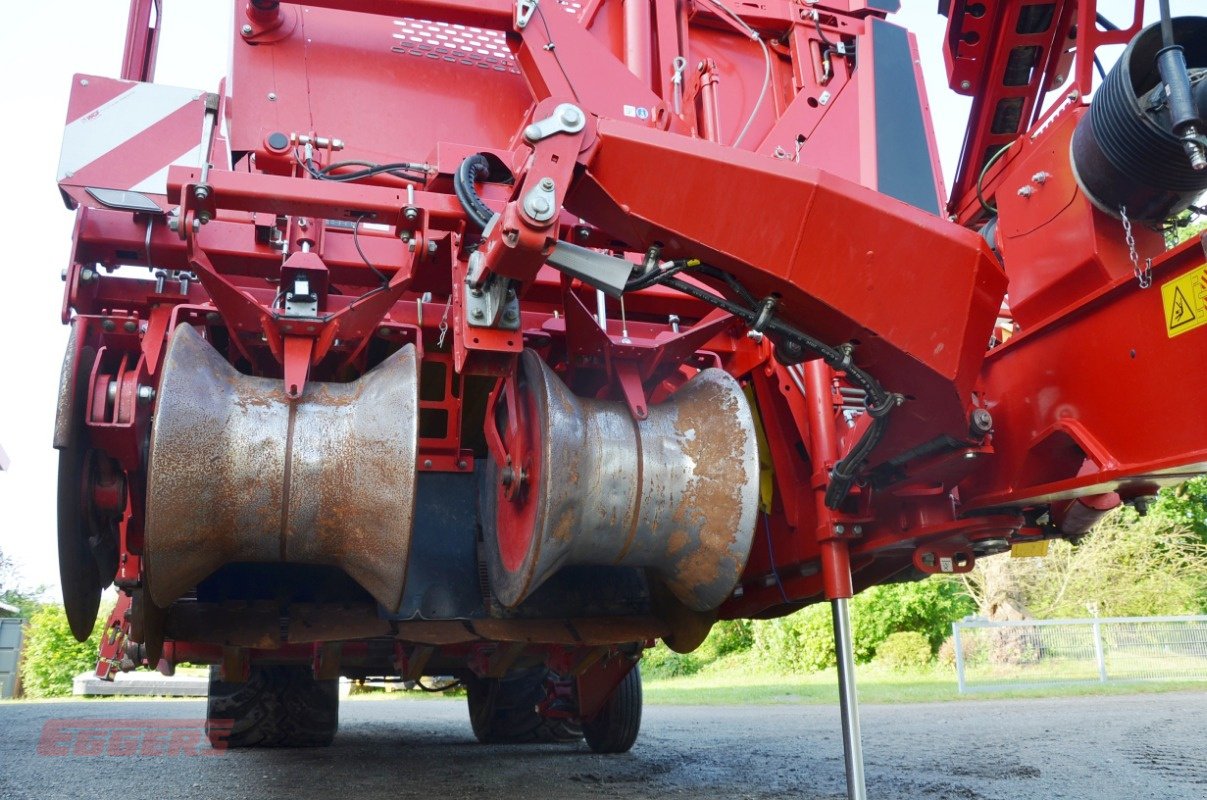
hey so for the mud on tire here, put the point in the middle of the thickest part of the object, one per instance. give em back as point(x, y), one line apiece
point(278, 706)
point(503, 710)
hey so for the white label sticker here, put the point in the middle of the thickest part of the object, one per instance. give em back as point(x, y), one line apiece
point(945, 564)
point(639, 112)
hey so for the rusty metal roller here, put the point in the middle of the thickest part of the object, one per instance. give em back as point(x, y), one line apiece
point(583, 482)
point(239, 473)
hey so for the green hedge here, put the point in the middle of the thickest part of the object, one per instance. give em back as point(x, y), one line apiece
point(51, 657)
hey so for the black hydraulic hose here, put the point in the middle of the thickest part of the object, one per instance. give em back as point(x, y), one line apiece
point(1105, 23)
point(879, 401)
point(471, 170)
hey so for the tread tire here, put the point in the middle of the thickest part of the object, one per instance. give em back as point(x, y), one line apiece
point(615, 727)
point(503, 711)
point(278, 706)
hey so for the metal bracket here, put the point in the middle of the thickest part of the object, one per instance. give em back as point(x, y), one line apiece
point(492, 305)
point(523, 13)
point(541, 202)
point(606, 273)
point(301, 302)
point(566, 118)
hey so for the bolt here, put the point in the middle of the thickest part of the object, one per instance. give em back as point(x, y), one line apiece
point(570, 116)
point(1041, 177)
point(83, 81)
point(303, 223)
point(201, 192)
point(411, 213)
point(839, 530)
point(87, 276)
point(980, 422)
point(272, 97)
point(431, 247)
point(174, 224)
point(584, 234)
point(462, 464)
point(130, 326)
point(63, 275)
point(532, 133)
point(1025, 191)
point(478, 313)
point(547, 184)
point(857, 530)
point(507, 476)
point(427, 463)
point(196, 225)
point(965, 85)
point(539, 205)
point(108, 325)
point(247, 30)
point(145, 394)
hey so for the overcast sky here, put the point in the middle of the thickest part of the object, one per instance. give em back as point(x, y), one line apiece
point(42, 44)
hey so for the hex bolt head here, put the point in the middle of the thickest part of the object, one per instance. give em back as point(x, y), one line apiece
point(411, 213)
point(201, 192)
point(1025, 191)
point(965, 85)
point(839, 530)
point(584, 234)
point(431, 247)
point(87, 276)
point(247, 30)
point(980, 422)
point(145, 394)
point(547, 184)
point(272, 96)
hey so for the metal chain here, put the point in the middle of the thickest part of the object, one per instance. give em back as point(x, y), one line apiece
point(1143, 276)
point(443, 328)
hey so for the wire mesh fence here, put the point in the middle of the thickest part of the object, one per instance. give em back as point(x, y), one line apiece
point(1009, 655)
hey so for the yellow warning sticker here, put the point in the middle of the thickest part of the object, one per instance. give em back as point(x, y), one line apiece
point(1033, 549)
point(1185, 301)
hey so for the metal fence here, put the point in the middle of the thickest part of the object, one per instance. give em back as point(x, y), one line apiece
point(1009, 655)
point(10, 654)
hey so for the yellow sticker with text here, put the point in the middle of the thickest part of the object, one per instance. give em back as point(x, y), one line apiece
point(1033, 549)
point(1185, 302)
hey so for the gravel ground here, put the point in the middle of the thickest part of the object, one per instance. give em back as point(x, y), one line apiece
point(1101, 748)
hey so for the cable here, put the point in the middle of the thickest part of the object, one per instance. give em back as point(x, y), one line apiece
point(980, 181)
point(552, 48)
point(471, 170)
point(356, 241)
point(771, 554)
point(766, 60)
point(405, 170)
point(879, 402)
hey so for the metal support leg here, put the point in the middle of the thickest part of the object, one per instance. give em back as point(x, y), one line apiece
point(852, 742)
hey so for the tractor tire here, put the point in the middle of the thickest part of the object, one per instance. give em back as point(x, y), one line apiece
point(615, 727)
point(278, 706)
point(503, 711)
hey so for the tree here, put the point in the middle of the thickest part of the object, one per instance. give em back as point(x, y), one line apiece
point(12, 593)
point(1128, 566)
point(52, 657)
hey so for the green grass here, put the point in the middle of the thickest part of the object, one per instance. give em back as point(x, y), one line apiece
point(734, 681)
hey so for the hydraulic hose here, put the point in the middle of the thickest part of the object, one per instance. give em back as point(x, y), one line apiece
point(470, 171)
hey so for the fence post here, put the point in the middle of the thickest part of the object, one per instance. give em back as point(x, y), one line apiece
point(1098, 654)
point(959, 647)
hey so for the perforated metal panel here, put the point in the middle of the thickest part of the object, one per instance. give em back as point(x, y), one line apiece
point(459, 44)
point(10, 654)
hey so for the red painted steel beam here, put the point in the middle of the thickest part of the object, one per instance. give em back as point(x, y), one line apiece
point(142, 40)
point(920, 294)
